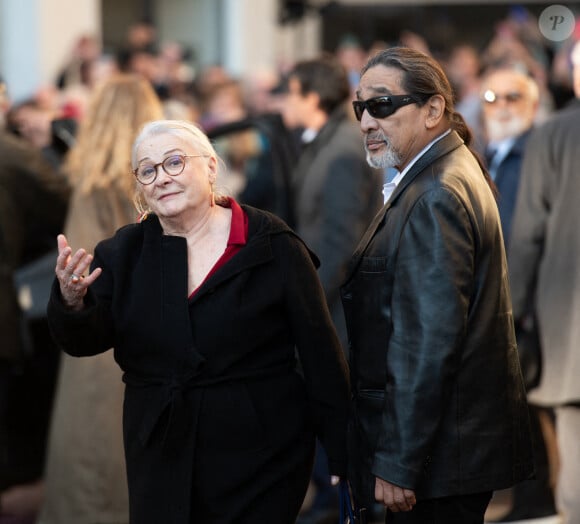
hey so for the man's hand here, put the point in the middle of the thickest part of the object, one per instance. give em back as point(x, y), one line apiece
point(394, 497)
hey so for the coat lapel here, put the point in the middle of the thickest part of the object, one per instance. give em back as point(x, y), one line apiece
point(258, 250)
point(254, 253)
point(445, 145)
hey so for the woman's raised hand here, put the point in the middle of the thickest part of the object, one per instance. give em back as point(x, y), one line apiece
point(70, 271)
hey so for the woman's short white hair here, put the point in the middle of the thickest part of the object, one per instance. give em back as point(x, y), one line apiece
point(186, 131)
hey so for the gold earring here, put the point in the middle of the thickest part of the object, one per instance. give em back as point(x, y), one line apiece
point(211, 199)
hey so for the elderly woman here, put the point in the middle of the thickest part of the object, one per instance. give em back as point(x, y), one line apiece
point(207, 304)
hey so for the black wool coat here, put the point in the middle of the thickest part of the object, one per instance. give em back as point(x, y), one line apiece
point(217, 408)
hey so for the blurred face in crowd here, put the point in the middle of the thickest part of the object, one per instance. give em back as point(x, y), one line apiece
point(33, 124)
point(510, 103)
point(298, 107)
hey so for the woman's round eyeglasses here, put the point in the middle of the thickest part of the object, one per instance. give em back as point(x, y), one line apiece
point(173, 165)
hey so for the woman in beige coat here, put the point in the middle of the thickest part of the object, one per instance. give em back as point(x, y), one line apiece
point(85, 471)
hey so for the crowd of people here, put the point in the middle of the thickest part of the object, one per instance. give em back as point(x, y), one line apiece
point(360, 208)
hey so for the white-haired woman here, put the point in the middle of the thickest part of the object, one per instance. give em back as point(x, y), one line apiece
point(205, 302)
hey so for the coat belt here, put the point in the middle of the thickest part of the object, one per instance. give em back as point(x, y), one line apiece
point(181, 411)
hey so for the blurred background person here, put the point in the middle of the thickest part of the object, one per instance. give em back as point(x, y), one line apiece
point(335, 193)
point(76, 71)
point(516, 40)
point(31, 121)
point(352, 55)
point(86, 66)
point(543, 256)
point(510, 101)
point(49, 130)
point(463, 68)
point(140, 37)
point(33, 202)
point(174, 71)
point(258, 148)
point(225, 104)
point(85, 469)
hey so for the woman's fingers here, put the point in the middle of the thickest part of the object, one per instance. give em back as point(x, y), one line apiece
point(64, 253)
point(70, 271)
point(72, 266)
point(61, 242)
point(83, 264)
point(96, 273)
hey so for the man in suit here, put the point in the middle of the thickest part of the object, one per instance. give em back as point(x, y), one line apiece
point(510, 101)
point(439, 416)
point(335, 192)
point(544, 253)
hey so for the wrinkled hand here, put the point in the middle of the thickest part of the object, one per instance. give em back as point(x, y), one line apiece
point(70, 273)
point(394, 497)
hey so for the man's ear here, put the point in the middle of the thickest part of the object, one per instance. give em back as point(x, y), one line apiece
point(435, 109)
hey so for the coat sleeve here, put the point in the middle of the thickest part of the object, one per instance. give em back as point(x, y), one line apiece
point(89, 331)
point(432, 285)
point(530, 219)
point(321, 357)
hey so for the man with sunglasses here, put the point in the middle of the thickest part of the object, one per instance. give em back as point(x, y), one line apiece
point(439, 417)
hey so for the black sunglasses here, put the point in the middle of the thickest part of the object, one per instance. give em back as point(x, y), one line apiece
point(382, 106)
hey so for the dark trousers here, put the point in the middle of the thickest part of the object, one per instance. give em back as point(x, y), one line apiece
point(461, 509)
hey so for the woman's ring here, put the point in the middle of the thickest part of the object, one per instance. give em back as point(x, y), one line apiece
point(75, 278)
